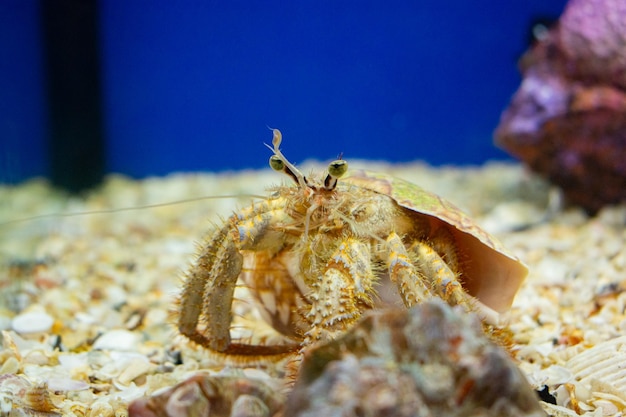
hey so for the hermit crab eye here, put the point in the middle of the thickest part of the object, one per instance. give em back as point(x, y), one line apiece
point(337, 168)
point(277, 164)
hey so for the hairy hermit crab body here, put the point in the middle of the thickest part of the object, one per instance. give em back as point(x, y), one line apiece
point(316, 255)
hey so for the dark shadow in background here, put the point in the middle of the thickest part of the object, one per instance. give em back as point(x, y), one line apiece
point(72, 77)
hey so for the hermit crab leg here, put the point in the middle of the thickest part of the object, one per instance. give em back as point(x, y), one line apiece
point(441, 278)
point(412, 284)
point(211, 284)
point(208, 292)
point(438, 261)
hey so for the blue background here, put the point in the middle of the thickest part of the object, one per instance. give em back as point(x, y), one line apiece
point(192, 86)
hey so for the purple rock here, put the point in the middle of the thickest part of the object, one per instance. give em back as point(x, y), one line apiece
point(567, 121)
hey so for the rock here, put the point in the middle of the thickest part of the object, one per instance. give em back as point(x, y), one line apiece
point(431, 360)
point(567, 121)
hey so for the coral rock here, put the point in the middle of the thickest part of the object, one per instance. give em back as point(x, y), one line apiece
point(567, 120)
point(427, 361)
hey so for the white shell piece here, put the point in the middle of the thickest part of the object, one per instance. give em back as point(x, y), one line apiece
point(117, 339)
point(70, 361)
point(130, 392)
point(556, 375)
point(135, 368)
point(32, 322)
point(605, 362)
point(66, 384)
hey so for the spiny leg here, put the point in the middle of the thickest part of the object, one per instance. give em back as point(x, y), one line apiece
point(209, 288)
point(451, 289)
point(412, 284)
point(444, 243)
point(191, 300)
point(441, 267)
point(426, 270)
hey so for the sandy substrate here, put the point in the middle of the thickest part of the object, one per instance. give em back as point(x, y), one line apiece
point(85, 300)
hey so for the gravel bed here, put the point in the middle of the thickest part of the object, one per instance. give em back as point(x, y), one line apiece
point(86, 299)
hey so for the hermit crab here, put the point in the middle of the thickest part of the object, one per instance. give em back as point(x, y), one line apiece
point(318, 253)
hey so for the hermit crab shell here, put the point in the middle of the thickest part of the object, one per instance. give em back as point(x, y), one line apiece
point(489, 272)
